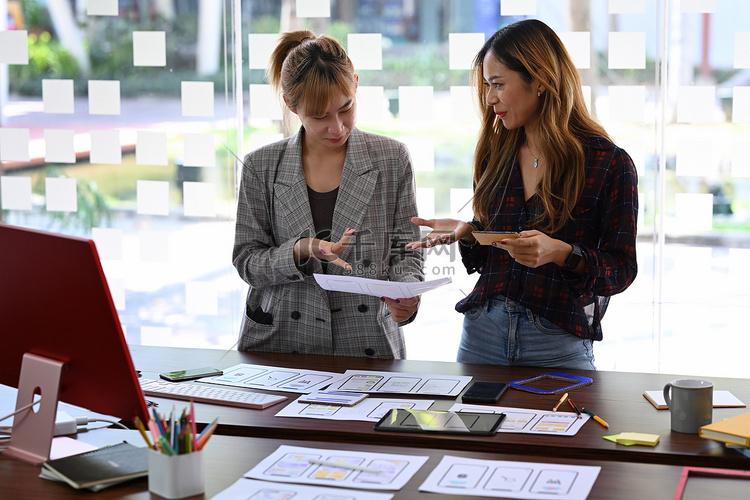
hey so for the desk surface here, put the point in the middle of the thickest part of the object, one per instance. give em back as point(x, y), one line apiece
point(227, 458)
point(615, 396)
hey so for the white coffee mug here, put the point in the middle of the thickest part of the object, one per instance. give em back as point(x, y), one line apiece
point(691, 403)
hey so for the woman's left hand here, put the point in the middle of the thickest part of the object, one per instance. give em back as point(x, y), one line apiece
point(534, 249)
point(402, 309)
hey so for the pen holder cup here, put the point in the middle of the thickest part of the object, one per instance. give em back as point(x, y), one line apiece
point(175, 476)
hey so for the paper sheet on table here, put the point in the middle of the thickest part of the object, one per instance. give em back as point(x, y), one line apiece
point(250, 488)
point(274, 378)
point(378, 288)
point(400, 383)
point(369, 410)
point(292, 464)
point(498, 478)
point(721, 399)
point(523, 420)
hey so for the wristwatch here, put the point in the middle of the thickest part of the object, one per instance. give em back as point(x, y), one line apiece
point(573, 259)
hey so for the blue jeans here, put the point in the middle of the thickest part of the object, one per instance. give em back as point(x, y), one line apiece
point(503, 332)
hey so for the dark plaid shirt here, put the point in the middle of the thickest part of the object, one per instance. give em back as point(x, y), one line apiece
point(603, 225)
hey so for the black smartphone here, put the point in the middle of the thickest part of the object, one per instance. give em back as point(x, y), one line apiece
point(191, 374)
point(484, 392)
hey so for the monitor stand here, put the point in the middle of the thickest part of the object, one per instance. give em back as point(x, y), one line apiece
point(31, 437)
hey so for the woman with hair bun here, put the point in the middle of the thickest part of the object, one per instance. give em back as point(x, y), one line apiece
point(329, 199)
point(547, 173)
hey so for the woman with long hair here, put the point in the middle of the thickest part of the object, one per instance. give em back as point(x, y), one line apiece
point(549, 175)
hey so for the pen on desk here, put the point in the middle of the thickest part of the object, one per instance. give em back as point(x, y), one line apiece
point(206, 433)
point(596, 417)
point(575, 408)
point(142, 430)
point(154, 432)
point(159, 423)
point(343, 465)
point(562, 399)
point(166, 448)
point(193, 427)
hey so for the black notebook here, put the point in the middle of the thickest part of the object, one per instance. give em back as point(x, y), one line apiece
point(99, 468)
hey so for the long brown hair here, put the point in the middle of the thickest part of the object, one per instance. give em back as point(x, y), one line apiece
point(309, 71)
point(533, 49)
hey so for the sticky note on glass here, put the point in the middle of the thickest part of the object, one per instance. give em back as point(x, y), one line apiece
point(151, 148)
point(197, 98)
point(578, 45)
point(102, 8)
point(57, 96)
point(371, 103)
point(462, 104)
point(365, 50)
point(462, 48)
point(518, 8)
point(313, 8)
point(14, 47)
point(104, 97)
point(14, 144)
point(260, 48)
point(627, 50)
point(415, 102)
point(149, 48)
point(106, 147)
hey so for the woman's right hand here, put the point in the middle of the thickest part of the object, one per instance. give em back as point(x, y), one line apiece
point(323, 250)
point(444, 232)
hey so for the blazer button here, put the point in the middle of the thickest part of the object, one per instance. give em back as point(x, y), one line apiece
point(362, 308)
point(294, 277)
point(366, 262)
point(295, 314)
point(369, 352)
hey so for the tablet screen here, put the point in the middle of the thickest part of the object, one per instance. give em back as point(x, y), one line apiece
point(403, 420)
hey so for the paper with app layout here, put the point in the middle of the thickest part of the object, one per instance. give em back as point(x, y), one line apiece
point(378, 288)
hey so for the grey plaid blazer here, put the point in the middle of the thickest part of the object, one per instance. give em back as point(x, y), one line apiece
point(286, 310)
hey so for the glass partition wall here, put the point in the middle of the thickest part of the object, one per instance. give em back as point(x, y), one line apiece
point(123, 121)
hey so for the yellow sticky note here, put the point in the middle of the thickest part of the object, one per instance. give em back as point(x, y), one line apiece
point(629, 438)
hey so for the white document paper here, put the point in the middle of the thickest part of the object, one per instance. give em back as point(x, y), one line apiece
point(273, 378)
point(721, 399)
point(521, 420)
point(264, 490)
point(369, 410)
point(293, 464)
point(498, 478)
point(377, 288)
point(400, 383)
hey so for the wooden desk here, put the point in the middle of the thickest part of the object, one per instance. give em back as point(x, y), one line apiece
point(615, 396)
point(227, 458)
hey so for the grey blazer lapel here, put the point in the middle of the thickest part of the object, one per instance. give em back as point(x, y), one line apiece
point(290, 190)
point(357, 187)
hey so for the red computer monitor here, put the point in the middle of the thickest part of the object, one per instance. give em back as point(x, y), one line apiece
point(55, 303)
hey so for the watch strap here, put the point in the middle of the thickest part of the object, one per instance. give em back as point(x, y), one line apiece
point(574, 258)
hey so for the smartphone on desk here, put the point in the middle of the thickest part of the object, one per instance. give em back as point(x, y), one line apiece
point(484, 392)
point(191, 374)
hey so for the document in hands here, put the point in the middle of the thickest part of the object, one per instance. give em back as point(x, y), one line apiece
point(378, 288)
